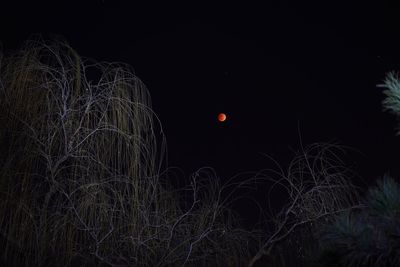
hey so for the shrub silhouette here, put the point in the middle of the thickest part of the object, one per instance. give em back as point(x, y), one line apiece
point(370, 236)
point(367, 237)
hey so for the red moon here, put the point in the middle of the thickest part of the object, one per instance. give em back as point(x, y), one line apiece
point(222, 117)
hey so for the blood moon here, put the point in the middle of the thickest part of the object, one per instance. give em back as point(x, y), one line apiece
point(222, 117)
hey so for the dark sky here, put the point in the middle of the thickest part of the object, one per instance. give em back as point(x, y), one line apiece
point(271, 68)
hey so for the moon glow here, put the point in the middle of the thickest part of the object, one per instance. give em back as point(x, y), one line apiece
point(222, 117)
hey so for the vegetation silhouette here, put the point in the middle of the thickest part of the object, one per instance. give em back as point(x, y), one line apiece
point(369, 236)
point(84, 182)
point(81, 172)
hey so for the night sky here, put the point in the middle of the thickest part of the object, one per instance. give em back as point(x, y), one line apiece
point(278, 71)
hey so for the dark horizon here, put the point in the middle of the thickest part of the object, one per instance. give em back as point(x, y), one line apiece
point(273, 69)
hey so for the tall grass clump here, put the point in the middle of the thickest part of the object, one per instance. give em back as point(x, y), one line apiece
point(81, 161)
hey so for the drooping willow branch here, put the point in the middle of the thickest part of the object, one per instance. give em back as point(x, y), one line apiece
point(81, 160)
